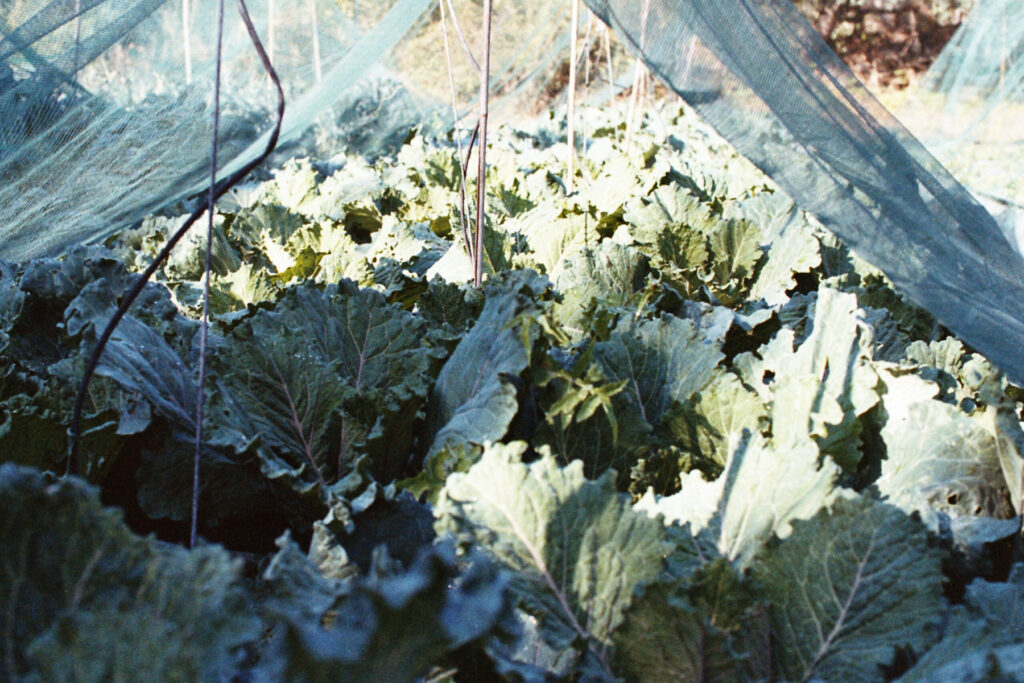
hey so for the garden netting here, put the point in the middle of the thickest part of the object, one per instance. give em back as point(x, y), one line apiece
point(105, 105)
point(981, 70)
point(765, 80)
point(105, 117)
point(969, 108)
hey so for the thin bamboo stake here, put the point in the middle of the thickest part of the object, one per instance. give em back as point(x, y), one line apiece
point(587, 38)
point(485, 90)
point(463, 222)
point(574, 37)
point(633, 97)
point(204, 323)
point(186, 37)
point(638, 76)
point(317, 68)
point(462, 36)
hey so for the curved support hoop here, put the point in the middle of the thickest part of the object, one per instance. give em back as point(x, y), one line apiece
point(75, 430)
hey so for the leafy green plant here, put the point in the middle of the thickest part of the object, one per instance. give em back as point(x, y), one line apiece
point(685, 434)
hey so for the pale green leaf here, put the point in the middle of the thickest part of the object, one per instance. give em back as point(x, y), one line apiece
point(577, 544)
point(663, 361)
point(942, 459)
point(848, 588)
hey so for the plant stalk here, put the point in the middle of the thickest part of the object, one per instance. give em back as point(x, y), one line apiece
point(573, 57)
point(204, 323)
point(75, 428)
point(463, 219)
point(485, 91)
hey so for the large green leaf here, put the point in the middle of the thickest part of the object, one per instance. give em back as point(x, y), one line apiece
point(709, 627)
point(763, 489)
point(736, 252)
point(87, 600)
point(766, 489)
point(849, 588)
point(140, 360)
point(822, 387)
point(608, 274)
point(326, 377)
point(289, 397)
point(550, 235)
point(941, 459)
point(720, 413)
point(664, 362)
point(474, 399)
point(793, 249)
point(578, 548)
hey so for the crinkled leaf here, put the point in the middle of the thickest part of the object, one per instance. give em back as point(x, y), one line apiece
point(941, 459)
point(674, 225)
point(696, 503)
point(328, 375)
point(578, 547)
point(822, 387)
point(763, 489)
point(664, 362)
point(793, 250)
point(736, 251)
point(86, 599)
point(474, 399)
point(294, 185)
point(609, 274)
point(708, 627)
point(848, 588)
point(244, 287)
point(720, 413)
point(549, 235)
point(289, 397)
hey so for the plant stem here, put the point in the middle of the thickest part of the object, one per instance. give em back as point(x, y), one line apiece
point(463, 222)
point(204, 324)
point(485, 81)
point(573, 57)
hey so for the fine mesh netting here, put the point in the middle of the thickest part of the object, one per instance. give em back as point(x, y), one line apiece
point(105, 104)
point(983, 65)
point(969, 108)
point(105, 116)
point(759, 73)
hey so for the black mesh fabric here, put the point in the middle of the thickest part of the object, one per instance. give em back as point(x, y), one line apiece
point(758, 73)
